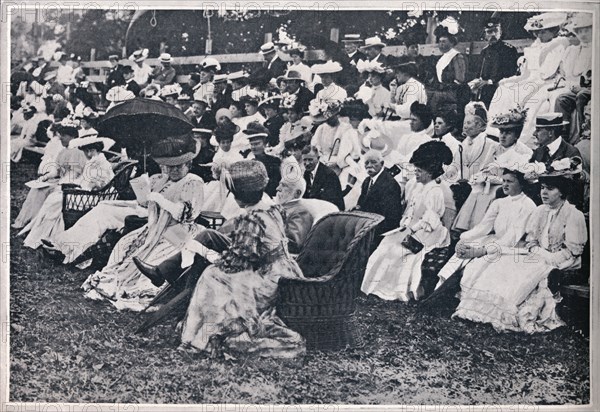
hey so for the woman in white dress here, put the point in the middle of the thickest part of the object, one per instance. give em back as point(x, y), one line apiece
point(576, 64)
point(394, 269)
point(174, 203)
point(96, 172)
point(502, 226)
point(511, 292)
point(540, 71)
point(487, 181)
point(48, 174)
point(215, 191)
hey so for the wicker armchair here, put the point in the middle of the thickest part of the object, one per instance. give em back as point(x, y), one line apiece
point(77, 202)
point(321, 306)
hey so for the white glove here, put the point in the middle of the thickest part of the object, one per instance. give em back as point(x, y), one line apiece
point(175, 209)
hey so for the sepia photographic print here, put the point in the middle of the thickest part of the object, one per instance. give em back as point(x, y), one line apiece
point(327, 206)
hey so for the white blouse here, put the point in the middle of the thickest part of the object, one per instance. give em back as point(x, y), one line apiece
point(506, 217)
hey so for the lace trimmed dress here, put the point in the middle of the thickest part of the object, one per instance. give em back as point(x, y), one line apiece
point(503, 225)
point(512, 292)
point(393, 272)
point(233, 303)
point(120, 282)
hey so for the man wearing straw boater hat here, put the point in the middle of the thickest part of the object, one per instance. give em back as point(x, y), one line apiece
point(272, 60)
point(257, 135)
point(547, 136)
point(351, 43)
point(372, 48)
point(165, 73)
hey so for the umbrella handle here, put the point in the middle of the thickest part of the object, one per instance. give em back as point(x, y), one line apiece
point(460, 152)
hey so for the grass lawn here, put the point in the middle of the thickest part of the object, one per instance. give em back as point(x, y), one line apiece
point(65, 348)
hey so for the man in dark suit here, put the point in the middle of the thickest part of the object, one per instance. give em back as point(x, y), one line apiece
point(547, 136)
point(551, 147)
point(257, 135)
point(351, 44)
point(499, 61)
point(221, 94)
point(380, 194)
point(294, 84)
point(115, 73)
point(272, 60)
point(321, 181)
point(130, 84)
point(201, 117)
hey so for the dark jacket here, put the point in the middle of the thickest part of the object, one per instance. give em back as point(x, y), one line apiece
point(325, 186)
point(358, 56)
point(304, 97)
point(115, 77)
point(274, 125)
point(564, 150)
point(273, 166)
point(207, 121)
point(222, 100)
point(384, 198)
point(499, 61)
point(278, 67)
point(133, 87)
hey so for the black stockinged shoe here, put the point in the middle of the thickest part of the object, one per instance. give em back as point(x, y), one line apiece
point(151, 272)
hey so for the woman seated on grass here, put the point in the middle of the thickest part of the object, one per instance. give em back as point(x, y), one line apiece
point(513, 291)
point(174, 203)
point(97, 172)
point(59, 164)
point(233, 302)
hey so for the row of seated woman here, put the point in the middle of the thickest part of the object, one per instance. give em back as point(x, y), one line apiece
point(492, 255)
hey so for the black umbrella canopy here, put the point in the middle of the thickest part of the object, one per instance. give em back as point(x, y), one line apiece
point(144, 120)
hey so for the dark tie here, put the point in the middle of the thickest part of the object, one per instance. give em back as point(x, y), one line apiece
point(369, 186)
point(308, 182)
point(545, 154)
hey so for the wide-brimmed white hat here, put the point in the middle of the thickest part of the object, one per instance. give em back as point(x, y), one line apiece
point(107, 142)
point(165, 58)
point(545, 21)
point(170, 89)
point(139, 55)
point(119, 94)
point(241, 74)
point(581, 20)
point(267, 48)
point(210, 63)
point(327, 67)
point(552, 119)
point(374, 41)
point(87, 132)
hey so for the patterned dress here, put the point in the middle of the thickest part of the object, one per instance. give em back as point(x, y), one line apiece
point(233, 303)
